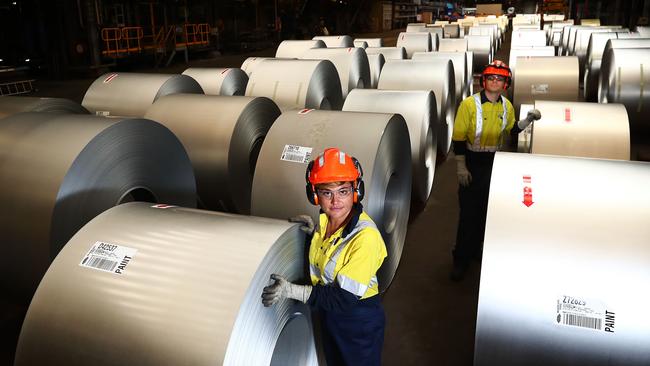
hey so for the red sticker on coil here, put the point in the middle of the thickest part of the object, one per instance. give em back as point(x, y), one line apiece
point(567, 115)
point(109, 78)
point(528, 191)
point(305, 111)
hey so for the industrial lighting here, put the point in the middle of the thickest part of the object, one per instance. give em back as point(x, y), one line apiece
point(27, 60)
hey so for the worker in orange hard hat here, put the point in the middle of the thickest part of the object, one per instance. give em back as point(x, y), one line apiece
point(482, 121)
point(345, 254)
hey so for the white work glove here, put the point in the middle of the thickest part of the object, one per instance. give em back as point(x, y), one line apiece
point(284, 289)
point(464, 176)
point(533, 115)
point(307, 226)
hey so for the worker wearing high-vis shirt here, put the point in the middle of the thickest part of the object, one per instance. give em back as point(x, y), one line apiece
point(345, 254)
point(482, 122)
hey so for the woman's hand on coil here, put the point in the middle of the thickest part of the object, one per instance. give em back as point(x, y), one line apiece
point(307, 223)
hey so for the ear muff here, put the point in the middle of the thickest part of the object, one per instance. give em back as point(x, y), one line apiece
point(312, 197)
point(359, 186)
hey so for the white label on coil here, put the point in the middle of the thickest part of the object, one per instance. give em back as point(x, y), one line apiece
point(539, 89)
point(585, 313)
point(297, 154)
point(108, 257)
point(103, 113)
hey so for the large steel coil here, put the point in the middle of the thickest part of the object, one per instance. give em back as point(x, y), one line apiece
point(60, 171)
point(222, 136)
point(141, 285)
point(351, 64)
point(564, 286)
point(435, 75)
point(595, 51)
point(453, 45)
point(414, 42)
point(459, 61)
point(545, 78)
point(485, 30)
point(528, 38)
point(295, 48)
point(297, 83)
point(17, 104)
point(415, 27)
point(419, 111)
point(591, 130)
point(451, 31)
point(389, 53)
point(251, 63)
point(360, 44)
point(623, 77)
point(336, 41)
point(481, 47)
point(219, 81)
point(582, 44)
point(371, 42)
point(376, 63)
point(528, 51)
point(379, 141)
point(438, 31)
point(131, 94)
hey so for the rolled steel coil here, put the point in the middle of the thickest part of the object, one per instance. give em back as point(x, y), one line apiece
point(10, 105)
point(482, 51)
point(451, 31)
point(295, 48)
point(437, 31)
point(643, 31)
point(60, 171)
point(142, 285)
point(528, 38)
point(336, 41)
point(297, 84)
point(545, 78)
point(623, 77)
point(591, 130)
point(459, 61)
point(582, 44)
point(131, 94)
point(419, 111)
point(590, 22)
point(552, 289)
point(379, 141)
point(453, 45)
point(219, 81)
point(528, 51)
point(485, 30)
point(435, 75)
point(351, 64)
point(414, 42)
point(389, 53)
point(595, 51)
point(251, 63)
point(371, 42)
point(376, 63)
point(223, 137)
point(360, 44)
point(415, 27)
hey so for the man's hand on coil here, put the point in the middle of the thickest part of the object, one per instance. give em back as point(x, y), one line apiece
point(464, 176)
point(282, 289)
point(533, 115)
point(307, 223)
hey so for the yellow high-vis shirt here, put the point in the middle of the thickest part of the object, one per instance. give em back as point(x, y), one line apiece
point(351, 262)
point(491, 129)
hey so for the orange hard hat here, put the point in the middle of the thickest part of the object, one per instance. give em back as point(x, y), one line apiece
point(497, 67)
point(333, 165)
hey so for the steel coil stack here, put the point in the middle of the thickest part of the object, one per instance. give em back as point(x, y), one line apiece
point(336, 41)
point(414, 42)
point(389, 53)
point(219, 81)
point(351, 64)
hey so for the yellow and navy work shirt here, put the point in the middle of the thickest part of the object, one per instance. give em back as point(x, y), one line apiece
point(349, 258)
point(482, 124)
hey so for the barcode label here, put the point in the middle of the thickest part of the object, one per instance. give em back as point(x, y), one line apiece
point(296, 154)
point(584, 312)
point(582, 321)
point(108, 257)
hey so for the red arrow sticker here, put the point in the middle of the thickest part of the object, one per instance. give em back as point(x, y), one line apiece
point(528, 191)
point(109, 78)
point(305, 111)
point(567, 115)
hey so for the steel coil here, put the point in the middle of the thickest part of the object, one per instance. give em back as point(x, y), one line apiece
point(623, 76)
point(223, 137)
point(528, 38)
point(459, 61)
point(297, 84)
point(60, 171)
point(414, 42)
point(336, 41)
point(561, 287)
point(590, 130)
point(438, 31)
point(131, 94)
point(219, 81)
point(419, 111)
point(389, 53)
point(351, 64)
point(545, 78)
point(295, 48)
point(595, 50)
point(582, 45)
point(485, 30)
point(141, 285)
point(528, 51)
point(482, 51)
point(10, 105)
point(251, 63)
point(453, 45)
point(451, 31)
point(435, 75)
point(376, 63)
point(360, 44)
point(379, 141)
point(590, 22)
point(371, 42)
point(415, 27)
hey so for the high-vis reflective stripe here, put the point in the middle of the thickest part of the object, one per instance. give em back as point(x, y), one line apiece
point(351, 285)
point(330, 267)
point(314, 271)
point(476, 146)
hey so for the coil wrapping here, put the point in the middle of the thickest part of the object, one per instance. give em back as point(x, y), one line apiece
point(435, 75)
point(219, 81)
point(623, 79)
point(222, 136)
point(60, 171)
point(419, 111)
point(13, 104)
point(389, 53)
point(482, 51)
point(297, 83)
point(189, 294)
point(295, 48)
point(351, 64)
point(595, 50)
point(379, 141)
point(562, 279)
point(131, 94)
point(336, 41)
point(371, 42)
point(545, 78)
point(414, 42)
point(459, 61)
point(376, 63)
point(251, 63)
